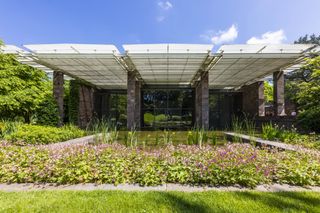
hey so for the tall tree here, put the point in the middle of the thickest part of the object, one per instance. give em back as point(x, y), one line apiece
point(308, 97)
point(22, 88)
point(312, 39)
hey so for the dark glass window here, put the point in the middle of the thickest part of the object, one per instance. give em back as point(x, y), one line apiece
point(167, 108)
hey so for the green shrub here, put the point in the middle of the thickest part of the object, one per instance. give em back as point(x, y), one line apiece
point(47, 113)
point(270, 132)
point(19, 133)
point(310, 119)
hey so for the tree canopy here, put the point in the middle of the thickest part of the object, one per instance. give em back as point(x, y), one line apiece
point(22, 88)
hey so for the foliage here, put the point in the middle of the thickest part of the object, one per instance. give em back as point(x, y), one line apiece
point(47, 112)
point(19, 133)
point(306, 39)
point(296, 78)
point(132, 139)
point(199, 136)
point(308, 97)
point(243, 125)
point(167, 137)
point(22, 88)
point(115, 164)
point(268, 92)
point(73, 106)
point(274, 132)
point(104, 130)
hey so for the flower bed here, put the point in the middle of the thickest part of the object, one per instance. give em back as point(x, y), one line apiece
point(226, 165)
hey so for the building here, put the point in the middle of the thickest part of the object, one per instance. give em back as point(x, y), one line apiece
point(154, 86)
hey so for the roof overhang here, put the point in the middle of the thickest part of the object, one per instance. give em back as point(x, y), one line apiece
point(164, 64)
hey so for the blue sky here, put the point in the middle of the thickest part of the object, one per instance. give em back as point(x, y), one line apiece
point(157, 21)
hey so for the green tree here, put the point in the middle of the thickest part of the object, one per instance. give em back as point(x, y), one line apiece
point(308, 96)
point(268, 92)
point(22, 88)
point(312, 39)
point(299, 76)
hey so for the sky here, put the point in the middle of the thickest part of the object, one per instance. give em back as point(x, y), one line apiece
point(157, 21)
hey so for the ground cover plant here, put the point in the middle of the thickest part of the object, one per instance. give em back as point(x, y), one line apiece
point(21, 134)
point(230, 164)
point(117, 201)
point(290, 136)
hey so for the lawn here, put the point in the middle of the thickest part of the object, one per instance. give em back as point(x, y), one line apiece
point(117, 201)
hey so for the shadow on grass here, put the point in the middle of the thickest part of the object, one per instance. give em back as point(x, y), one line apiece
point(282, 201)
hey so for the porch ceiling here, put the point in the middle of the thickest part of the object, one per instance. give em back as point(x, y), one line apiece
point(99, 65)
point(244, 64)
point(168, 64)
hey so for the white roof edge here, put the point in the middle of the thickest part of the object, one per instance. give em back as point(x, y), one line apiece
point(65, 48)
point(264, 48)
point(168, 48)
point(11, 49)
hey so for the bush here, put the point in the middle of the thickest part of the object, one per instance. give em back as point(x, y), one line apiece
point(18, 133)
point(271, 132)
point(310, 119)
point(47, 113)
point(115, 164)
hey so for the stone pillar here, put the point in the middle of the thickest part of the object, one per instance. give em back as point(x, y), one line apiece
point(133, 102)
point(198, 105)
point(86, 105)
point(205, 101)
point(202, 102)
point(253, 99)
point(278, 93)
point(58, 93)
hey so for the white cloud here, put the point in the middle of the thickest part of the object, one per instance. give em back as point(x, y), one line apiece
point(223, 36)
point(276, 37)
point(165, 5)
point(160, 18)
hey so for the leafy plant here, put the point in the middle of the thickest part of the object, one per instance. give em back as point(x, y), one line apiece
point(19, 133)
point(227, 165)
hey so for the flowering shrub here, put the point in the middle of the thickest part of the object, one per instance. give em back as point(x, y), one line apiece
point(114, 164)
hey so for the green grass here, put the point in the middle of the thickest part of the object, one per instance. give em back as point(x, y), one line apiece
point(154, 138)
point(117, 201)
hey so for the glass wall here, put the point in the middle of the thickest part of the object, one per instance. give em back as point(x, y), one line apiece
point(112, 106)
point(222, 107)
point(167, 108)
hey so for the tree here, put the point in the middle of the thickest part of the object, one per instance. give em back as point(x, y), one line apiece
point(296, 77)
point(312, 39)
point(22, 88)
point(308, 96)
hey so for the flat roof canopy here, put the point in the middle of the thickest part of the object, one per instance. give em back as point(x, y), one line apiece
point(104, 66)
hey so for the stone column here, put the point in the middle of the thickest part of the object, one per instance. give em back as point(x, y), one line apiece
point(86, 106)
point(202, 102)
point(133, 102)
point(58, 93)
point(198, 105)
point(253, 99)
point(205, 101)
point(278, 93)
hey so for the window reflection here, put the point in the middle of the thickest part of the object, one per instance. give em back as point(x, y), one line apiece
point(167, 108)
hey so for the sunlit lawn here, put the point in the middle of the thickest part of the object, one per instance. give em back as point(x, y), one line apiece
point(117, 201)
